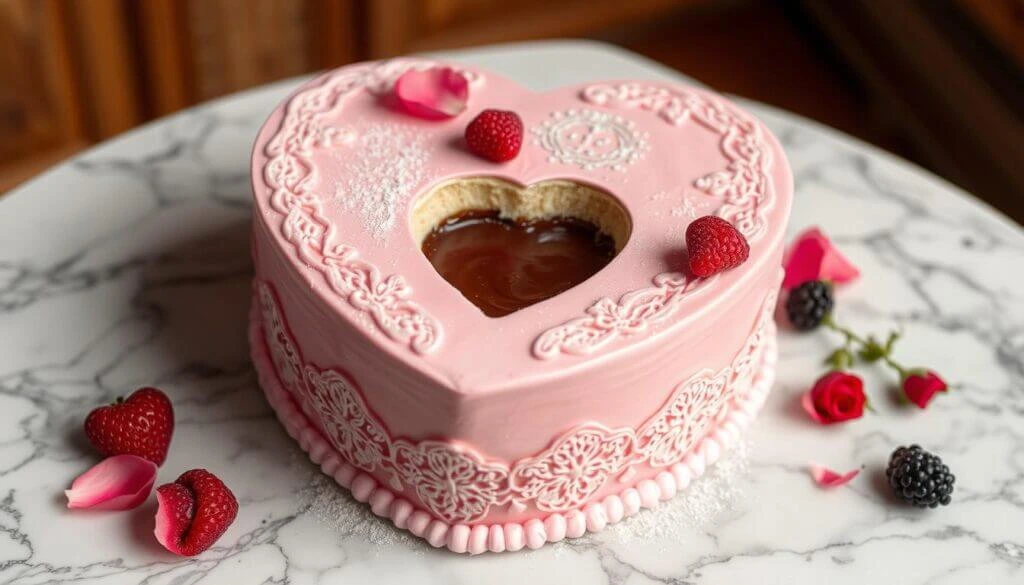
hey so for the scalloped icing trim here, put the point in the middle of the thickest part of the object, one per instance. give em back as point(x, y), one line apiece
point(462, 485)
point(745, 186)
point(509, 536)
point(289, 172)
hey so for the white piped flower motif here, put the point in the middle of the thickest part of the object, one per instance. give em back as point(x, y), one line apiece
point(459, 485)
point(745, 363)
point(578, 465)
point(591, 139)
point(455, 485)
point(346, 420)
point(283, 352)
point(694, 406)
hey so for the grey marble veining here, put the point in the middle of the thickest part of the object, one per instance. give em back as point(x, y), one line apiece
point(129, 266)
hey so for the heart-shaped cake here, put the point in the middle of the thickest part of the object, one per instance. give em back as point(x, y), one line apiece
point(607, 387)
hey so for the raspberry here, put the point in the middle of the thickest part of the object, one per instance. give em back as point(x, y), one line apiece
point(495, 135)
point(714, 245)
point(920, 478)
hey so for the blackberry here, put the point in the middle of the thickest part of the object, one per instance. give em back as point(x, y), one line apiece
point(919, 478)
point(809, 304)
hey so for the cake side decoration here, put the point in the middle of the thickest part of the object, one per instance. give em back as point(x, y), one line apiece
point(574, 468)
point(387, 500)
point(289, 172)
point(458, 484)
point(455, 484)
point(344, 416)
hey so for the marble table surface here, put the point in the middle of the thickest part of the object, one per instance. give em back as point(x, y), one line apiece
point(129, 265)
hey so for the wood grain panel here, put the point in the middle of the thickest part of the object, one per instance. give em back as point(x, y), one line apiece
point(107, 66)
point(168, 67)
point(36, 96)
point(399, 26)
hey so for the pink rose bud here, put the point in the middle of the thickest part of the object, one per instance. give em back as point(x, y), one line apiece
point(922, 385)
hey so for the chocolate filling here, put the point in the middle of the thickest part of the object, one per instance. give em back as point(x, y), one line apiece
point(503, 265)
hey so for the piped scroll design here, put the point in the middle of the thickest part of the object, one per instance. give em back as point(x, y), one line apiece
point(457, 484)
point(745, 187)
point(607, 320)
point(290, 173)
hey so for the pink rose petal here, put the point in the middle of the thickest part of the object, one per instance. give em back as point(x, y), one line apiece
point(813, 257)
point(438, 93)
point(808, 403)
point(121, 482)
point(828, 479)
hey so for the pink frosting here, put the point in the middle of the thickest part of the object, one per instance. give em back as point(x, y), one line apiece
point(560, 418)
point(533, 533)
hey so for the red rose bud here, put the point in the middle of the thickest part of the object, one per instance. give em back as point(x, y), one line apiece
point(836, 397)
point(921, 386)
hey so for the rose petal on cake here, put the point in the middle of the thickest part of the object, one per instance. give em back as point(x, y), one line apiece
point(437, 93)
point(807, 401)
point(813, 257)
point(121, 482)
point(828, 479)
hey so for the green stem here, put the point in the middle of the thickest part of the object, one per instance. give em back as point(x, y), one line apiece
point(892, 364)
point(830, 322)
point(851, 337)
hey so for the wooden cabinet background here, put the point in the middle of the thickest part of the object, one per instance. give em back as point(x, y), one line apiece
point(73, 72)
point(937, 81)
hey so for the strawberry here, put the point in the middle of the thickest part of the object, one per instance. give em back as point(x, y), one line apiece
point(714, 245)
point(193, 512)
point(140, 425)
point(495, 135)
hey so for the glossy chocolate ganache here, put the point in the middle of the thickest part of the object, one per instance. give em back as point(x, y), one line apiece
point(502, 265)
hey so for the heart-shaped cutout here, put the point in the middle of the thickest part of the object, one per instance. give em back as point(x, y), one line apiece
point(506, 247)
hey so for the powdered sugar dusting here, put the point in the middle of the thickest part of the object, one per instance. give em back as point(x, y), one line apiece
point(695, 509)
point(384, 166)
point(333, 507)
point(686, 210)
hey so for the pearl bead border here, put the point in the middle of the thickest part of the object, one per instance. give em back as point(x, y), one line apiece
point(510, 536)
